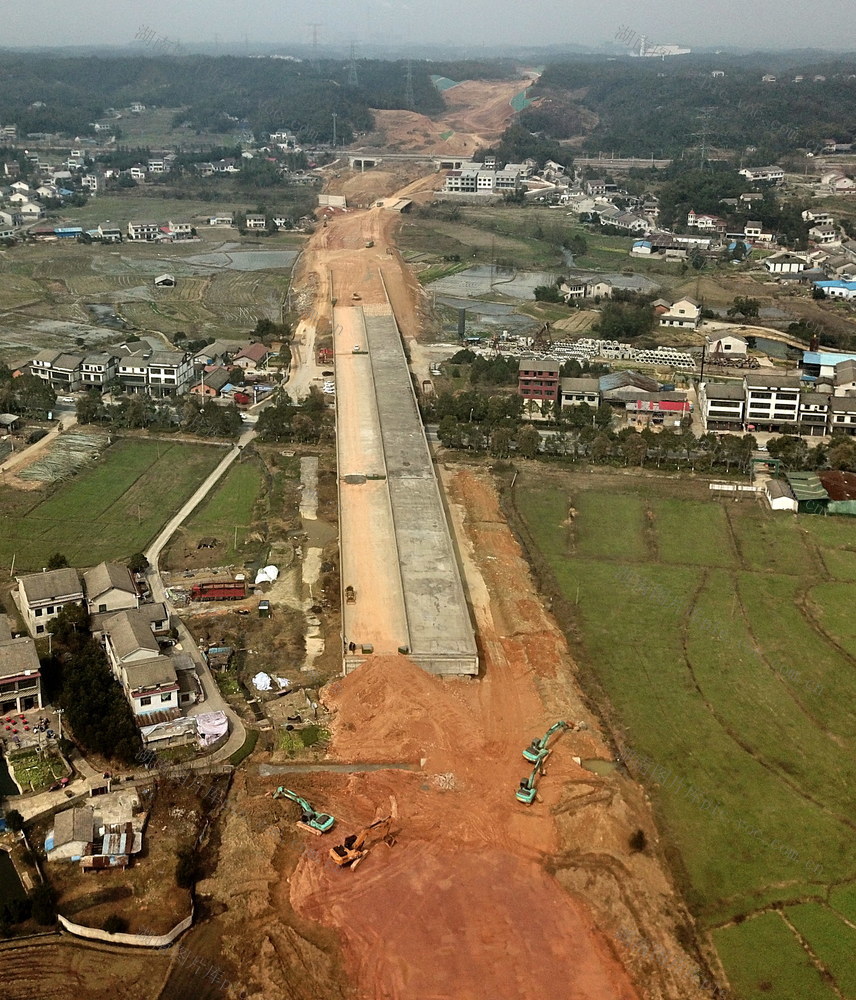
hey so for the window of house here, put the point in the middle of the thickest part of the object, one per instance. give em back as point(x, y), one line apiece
point(146, 701)
point(49, 610)
point(166, 697)
point(38, 612)
point(39, 629)
point(102, 607)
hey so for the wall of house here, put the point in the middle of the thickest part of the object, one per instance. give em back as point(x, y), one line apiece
point(37, 619)
point(154, 702)
point(113, 600)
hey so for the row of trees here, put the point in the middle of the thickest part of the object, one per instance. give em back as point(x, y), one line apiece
point(795, 453)
point(26, 395)
point(308, 421)
point(593, 442)
point(139, 411)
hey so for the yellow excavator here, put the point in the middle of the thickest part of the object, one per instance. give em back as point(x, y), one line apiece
point(356, 846)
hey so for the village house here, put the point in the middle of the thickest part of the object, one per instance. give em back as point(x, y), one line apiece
point(147, 231)
point(20, 676)
point(97, 371)
point(722, 406)
point(685, 314)
point(42, 596)
point(814, 413)
point(110, 587)
point(705, 222)
point(251, 356)
point(823, 234)
point(757, 232)
point(252, 221)
point(576, 391)
point(842, 414)
point(538, 381)
point(148, 679)
point(72, 834)
point(838, 183)
point(772, 401)
point(211, 383)
point(785, 263)
point(728, 343)
point(774, 174)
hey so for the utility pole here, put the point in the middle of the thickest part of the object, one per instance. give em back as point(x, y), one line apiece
point(334, 130)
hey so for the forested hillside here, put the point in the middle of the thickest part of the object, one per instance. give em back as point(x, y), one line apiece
point(48, 93)
point(642, 107)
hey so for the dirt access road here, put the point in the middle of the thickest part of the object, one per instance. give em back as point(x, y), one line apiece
point(477, 113)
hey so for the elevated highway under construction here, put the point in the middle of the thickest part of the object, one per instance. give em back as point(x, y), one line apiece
point(402, 587)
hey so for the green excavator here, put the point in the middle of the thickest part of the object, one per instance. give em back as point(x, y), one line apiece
point(314, 822)
point(527, 789)
point(538, 749)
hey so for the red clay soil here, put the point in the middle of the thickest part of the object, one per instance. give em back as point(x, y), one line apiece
point(461, 906)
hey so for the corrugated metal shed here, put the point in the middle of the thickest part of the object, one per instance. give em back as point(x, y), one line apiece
point(808, 490)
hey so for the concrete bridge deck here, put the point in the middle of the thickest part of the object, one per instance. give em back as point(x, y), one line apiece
point(397, 551)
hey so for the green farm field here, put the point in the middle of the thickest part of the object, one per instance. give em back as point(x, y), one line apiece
point(108, 511)
point(227, 515)
point(719, 638)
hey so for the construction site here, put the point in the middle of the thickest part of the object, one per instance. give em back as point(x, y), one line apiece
point(479, 874)
point(456, 841)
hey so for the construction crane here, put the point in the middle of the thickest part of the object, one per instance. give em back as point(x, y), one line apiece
point(538, 749)
point(314, 822)
point(355, 847)
point(527, 789)
point(542, 340)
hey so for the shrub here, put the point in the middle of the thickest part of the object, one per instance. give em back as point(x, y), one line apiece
point(14, 820)
point(188, 869)
point(115, 924)
point(312, 735)
point(638, 841)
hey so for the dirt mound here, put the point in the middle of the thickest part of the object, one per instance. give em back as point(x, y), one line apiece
point(390, 704)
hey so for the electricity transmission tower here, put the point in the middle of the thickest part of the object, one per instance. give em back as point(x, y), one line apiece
point(353, 79)
point(313, 62)
point(409, 99)
point(703, 135)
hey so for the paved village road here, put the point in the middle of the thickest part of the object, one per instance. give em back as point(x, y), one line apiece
point(213, 700)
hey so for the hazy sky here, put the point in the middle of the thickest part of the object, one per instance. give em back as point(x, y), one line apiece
point(747, 23)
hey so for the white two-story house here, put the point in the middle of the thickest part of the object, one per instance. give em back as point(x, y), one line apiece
point(44, 595)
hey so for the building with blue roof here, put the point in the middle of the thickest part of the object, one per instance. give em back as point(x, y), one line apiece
point(837, 289)
point(821, 364)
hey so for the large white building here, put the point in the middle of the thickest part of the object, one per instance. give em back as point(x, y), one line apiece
point(775, 174)
point(477, 178)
